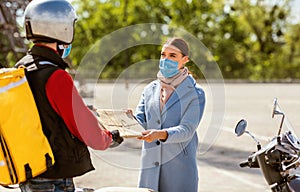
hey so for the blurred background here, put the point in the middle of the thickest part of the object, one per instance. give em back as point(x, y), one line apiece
point(255, 40)
point(255, 43)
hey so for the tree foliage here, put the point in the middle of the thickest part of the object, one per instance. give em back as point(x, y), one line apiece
point(255, 40)
point(12, 45)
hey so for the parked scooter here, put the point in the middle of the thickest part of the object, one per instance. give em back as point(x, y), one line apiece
point(278, 158)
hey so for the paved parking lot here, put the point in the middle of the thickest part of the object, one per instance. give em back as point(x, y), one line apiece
point(220, 151)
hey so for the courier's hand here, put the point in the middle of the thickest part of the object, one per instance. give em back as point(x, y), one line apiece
point(116, 138)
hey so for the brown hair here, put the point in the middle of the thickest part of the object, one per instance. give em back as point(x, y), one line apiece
point(180, 43)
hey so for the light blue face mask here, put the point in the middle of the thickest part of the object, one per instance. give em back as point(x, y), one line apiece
point(66, 51)
point(168, 68)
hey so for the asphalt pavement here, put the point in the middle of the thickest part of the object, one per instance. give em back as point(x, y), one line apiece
point(220, 151)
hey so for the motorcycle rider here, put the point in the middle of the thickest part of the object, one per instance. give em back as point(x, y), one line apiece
point(67, 122)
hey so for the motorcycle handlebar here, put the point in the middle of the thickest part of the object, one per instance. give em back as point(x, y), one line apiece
point(244, 164)
point(252, 163)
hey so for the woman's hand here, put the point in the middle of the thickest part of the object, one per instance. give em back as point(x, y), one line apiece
point(152, 135)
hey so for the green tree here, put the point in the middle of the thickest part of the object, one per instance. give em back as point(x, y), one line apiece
point(248, 39)
point(100, 18)
point(12, 44)
point(257, 39)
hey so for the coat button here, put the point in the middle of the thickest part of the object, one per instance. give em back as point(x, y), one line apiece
point(156, 163)
point(158, 121)
point(157, 142)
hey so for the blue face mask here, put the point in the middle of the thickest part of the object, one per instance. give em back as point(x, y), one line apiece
point(168, 68)
point(66, 51)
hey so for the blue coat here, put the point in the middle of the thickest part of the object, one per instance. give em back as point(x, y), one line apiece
point(171, 165)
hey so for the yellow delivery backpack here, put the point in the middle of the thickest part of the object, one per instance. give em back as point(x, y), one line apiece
point(24, 149)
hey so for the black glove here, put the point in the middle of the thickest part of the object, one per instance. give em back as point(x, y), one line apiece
point(117, 139)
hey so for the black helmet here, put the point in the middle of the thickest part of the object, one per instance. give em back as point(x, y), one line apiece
point(50, 21)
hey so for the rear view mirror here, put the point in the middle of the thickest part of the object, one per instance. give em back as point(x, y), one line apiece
point(240, 127)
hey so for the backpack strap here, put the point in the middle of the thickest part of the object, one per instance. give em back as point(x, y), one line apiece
point(32, 64)
point(8, 160)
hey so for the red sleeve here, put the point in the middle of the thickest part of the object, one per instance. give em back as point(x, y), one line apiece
point(66, 101)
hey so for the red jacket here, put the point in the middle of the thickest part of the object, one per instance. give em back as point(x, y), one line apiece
point(81, 122)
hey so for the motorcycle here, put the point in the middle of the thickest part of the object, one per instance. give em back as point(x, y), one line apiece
point(278, 159)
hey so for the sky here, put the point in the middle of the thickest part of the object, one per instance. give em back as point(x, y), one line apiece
point(295, 5)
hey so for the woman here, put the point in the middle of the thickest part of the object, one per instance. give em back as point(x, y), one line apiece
point(170, 110)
